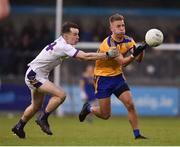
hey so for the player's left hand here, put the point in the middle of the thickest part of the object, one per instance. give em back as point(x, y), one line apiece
point(138, 50)
point(113, 52)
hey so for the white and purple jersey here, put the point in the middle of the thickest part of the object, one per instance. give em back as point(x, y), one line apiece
point(52, 55)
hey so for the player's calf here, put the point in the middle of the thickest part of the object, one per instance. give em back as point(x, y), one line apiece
point(61, 100)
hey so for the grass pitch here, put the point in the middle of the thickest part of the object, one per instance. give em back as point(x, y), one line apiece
point(112, 132)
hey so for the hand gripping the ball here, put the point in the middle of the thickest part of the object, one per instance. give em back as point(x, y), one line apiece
point(138, 50)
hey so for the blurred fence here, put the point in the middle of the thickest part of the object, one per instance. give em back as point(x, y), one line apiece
point(30, 28)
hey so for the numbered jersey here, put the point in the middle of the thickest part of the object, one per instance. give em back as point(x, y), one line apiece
point(52, 55)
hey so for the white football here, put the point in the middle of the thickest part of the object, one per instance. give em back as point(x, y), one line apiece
point(154, 37)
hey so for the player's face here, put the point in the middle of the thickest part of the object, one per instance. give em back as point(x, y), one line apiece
point(118, 28)
point(73, 36)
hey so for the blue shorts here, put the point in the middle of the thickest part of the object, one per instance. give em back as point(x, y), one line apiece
point(106, 86)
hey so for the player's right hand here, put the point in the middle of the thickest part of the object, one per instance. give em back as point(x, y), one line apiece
point(113, 52)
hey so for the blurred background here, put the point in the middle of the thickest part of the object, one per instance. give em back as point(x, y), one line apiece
point(30, 25)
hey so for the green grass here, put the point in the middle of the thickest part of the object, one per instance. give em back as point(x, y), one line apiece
point(115, 131)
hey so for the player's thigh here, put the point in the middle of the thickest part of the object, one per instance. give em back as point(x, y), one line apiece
point(126, 98)
point(50, 88)
point(105, 105)
point(37, 97)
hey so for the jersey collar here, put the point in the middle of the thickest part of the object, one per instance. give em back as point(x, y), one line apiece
point(115, 42)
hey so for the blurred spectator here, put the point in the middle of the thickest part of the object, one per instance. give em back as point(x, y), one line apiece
point(8, 57)
point(1, 38)
point(42, 36)
point(177, 34)
point(29, 28)
point(87, 84)
point(87, 88)
point(169, 37)
point(9, 36)
point(86, 35)
point(132, 33)
point(99, 32)
point(24, 52)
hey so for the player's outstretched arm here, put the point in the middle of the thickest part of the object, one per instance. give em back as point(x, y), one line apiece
point(95, 56)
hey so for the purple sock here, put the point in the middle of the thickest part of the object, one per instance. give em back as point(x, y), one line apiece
point(136, 132)
point(89, 107)
point(44, 115)
point(21, 124)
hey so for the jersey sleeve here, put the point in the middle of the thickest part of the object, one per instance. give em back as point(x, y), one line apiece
point(104, 46)
point(70, 50)
point(131, 45)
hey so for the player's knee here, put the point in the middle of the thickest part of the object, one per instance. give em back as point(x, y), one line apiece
point(61, 98)
point(130, 107)
point(61, 94)
point(36, 108)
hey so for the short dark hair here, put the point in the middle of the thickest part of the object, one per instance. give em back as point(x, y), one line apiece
point(115, 17)
point(67, 25)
